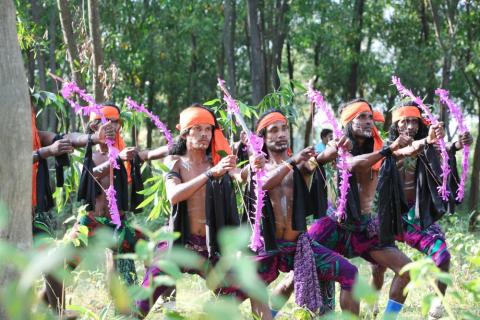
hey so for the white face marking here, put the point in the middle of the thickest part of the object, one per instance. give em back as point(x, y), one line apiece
point(187, 166)
point(283, 204)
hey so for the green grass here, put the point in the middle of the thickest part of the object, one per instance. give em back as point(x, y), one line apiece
point(89, 287)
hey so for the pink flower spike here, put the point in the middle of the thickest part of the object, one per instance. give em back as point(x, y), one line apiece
point(317, 98)
point(69, 90)
point(112, 205)
point(255, 145)
point(232, 106)
point(132, 105)
point(462, 128)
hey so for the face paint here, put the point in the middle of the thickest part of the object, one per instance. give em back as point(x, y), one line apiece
point(362, 125)
point(199, 136)
point(408, 126)
point(277, 137)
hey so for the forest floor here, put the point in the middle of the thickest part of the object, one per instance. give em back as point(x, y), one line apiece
point(89, 288)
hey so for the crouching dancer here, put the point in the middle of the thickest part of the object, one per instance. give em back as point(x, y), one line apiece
point(288, 202)
point(419, 166)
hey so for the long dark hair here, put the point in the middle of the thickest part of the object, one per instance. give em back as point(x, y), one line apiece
point(180, 146)
point(422, 128)
point(367, 146)
point(263, 133)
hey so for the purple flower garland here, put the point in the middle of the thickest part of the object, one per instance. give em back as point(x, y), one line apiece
point(317, 98)
point(131, 104)
point(442, 190)
point(457, 114)
point(69, 90)
point(256, 145)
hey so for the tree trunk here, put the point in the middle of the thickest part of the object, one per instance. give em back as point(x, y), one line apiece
point(388, 113)
point(424, 42)
point(229, 44)
point(309, 127)
point(72, 52)
point(355, 45)
point(279, 32)
point(447, 47)
point(257, 58)
point(40, 59)
point(16, 148)
point(30, 67)
point(475, 178)
point(290, 64)
point(52, 37)
point(97, 58)
point(265, 26)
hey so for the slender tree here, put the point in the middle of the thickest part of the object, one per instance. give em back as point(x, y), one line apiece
point(97, 56)
point(15, 130)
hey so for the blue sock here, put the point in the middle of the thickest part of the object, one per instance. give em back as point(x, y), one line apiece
point(274, 313)
point(392, 310)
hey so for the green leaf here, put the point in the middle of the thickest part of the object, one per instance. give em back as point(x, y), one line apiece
point(223, 309)
point(169, 268)
point(427, 302)
point(444, 277)
point(151, 189)
point(363, 291)
point(185, 258)
point(211, 102)
point(119, 295)
point(146, 201)
point(83, 311)
point(155, 213)
point(233, 239)
point(141, 249)
point(222, 153)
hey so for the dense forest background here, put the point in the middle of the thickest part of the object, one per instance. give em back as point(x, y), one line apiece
point(168, 54)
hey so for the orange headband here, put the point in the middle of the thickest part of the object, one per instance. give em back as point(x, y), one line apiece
point(378, 117)
point(269, 119)
point(350, 112)
point(110, 113)
point(404, 112)
point(194, 116)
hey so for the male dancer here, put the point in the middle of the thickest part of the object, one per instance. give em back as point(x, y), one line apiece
point(286, 245)
point(202, 198)
point(48, 144)
point(356, 235)
point(418, 164)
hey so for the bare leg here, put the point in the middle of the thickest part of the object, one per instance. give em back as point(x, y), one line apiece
point(395, 260)
point(378, 276)
point(55, 293)
point(445, 268)
point(261, 310)
point(283, 290)
point(347, 303)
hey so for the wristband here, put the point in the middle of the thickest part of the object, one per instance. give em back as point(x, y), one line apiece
point(386, 151)
point(37, 153)
point(209, 174)
point(291, 162)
